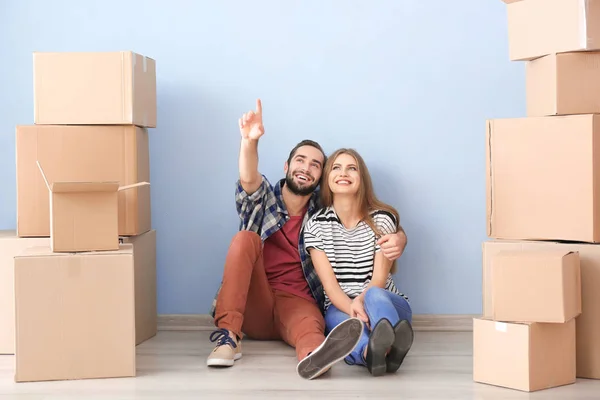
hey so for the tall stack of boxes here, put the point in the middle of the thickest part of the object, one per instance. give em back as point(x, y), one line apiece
point(79, 275)
point(541, 267)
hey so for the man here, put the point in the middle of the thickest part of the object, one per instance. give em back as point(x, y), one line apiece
point(270, 290)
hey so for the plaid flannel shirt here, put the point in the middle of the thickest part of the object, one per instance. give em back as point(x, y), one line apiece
point(264, 212)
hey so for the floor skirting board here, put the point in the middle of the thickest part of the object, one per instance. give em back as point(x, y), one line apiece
point(421, 322)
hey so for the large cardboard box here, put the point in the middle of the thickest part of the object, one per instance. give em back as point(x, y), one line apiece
point(104, 88)
point(538, 28)
point(75, 314)
point(588, 323)
point(10, 246)
point(524, 356)
point(82, 154)
point(144, 254)
point(536, 286)
point(563, 84)
point(543, 178)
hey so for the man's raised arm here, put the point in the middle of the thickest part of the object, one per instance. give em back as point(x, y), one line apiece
point(251, 129)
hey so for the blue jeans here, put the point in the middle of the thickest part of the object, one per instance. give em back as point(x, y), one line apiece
point(379, 303)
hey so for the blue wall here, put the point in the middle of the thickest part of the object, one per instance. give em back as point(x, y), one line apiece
point(408, 83)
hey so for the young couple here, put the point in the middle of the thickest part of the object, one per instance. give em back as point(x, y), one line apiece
point(309, 261)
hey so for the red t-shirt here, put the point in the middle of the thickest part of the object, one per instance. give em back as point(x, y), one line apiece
point(282, 260)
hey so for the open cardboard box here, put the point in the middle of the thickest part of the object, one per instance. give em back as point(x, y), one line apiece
point(84, 216)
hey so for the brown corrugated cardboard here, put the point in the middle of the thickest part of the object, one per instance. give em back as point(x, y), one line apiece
point(524, 356)
point(588, 323)
point(539, 27)
point(536, 286)
point(82, 153)
point(109, 88)
point(75, 315)
point(543, 180)
point(563, 84)
point(10, 246)
point(144, 254)
point(84, 216)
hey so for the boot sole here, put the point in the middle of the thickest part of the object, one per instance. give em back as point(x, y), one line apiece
point(402, 344)
point(381, 339)
point(337, 345)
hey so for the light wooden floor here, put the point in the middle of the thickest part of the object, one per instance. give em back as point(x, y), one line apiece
point(172, 366)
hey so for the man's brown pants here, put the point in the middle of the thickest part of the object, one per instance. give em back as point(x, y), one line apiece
point(247, 304)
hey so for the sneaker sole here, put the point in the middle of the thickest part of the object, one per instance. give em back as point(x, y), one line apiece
point(222, 362)
point(382, 338)
point(337, 345)
point(402, 344)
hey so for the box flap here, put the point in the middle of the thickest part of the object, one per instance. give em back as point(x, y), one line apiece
point(74, 187)
point(134, 185)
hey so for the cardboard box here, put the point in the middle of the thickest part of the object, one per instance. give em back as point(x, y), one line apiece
point(588, 323)
point(524, 356)
point(536, 286)
point(144, 254)
point(109, 88)
point(84, 216)
point(542, 178)
point(538, 28)
point(563, 84)
point(10, 246)
point(76, 154)
point(75, 315)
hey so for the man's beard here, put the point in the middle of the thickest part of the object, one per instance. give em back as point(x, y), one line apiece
point(298, 190)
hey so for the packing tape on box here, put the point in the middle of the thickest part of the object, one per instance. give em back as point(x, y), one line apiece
point(123, 86)
point(583, 6)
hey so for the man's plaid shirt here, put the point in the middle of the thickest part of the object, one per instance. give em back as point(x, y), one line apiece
point(264, 212)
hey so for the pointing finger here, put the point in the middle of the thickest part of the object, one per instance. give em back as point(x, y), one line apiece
point(258, 106)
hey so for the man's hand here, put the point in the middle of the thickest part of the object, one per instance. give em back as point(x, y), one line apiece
point(251, 123)
point(392, 245)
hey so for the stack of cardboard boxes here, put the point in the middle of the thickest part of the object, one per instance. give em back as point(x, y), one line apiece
point(78, 278)
point(541, 266)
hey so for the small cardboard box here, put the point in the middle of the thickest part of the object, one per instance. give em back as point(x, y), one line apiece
point(588, 323)
point(523, 356)
point(78, 153)
point(11, 246)
point(563, 84)
point(536, 286)
point(84, 216)
point(542, 178)
point(75, 315)
point(538, 28)
point(94, 88)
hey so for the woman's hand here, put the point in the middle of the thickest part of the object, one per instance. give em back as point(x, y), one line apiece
point(357, 310)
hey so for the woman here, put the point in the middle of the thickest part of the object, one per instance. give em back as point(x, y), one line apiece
point(356, 277)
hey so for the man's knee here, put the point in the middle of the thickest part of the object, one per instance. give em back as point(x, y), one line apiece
point(245, 243)
point(245, 239)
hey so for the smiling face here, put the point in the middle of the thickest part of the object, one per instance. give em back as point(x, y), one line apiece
point(344, 177)
point(303, 172)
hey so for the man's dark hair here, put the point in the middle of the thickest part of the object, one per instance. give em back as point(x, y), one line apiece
point(307, 142)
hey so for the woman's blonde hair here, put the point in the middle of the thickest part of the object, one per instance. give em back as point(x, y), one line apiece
point(366, 195)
